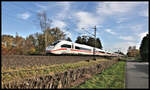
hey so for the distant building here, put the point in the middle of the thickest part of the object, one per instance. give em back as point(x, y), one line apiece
point(132, 51)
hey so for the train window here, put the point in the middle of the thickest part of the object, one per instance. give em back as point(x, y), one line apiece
point(101, 51)
point(65, 46)
point(86, 49)
point(80, 48)
point(77, 47)
point(55, 43)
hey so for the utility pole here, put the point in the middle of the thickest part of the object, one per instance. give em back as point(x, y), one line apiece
point(94, 58)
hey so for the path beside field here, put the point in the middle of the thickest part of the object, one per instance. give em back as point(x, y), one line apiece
point(137, 74)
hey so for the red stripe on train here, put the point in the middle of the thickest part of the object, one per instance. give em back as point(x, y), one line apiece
point(58, 49)
point(81, 51)
point(74, 50)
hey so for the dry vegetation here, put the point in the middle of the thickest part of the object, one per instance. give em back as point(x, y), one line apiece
point(14, 61)
point(19, 73)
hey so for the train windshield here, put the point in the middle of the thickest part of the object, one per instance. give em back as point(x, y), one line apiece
point(53, 44)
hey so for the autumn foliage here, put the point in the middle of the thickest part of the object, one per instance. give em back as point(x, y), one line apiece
point(132, 51)
point(33, 44)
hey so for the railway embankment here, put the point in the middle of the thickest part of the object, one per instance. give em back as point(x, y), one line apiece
point(13, 61)
point(54, 76)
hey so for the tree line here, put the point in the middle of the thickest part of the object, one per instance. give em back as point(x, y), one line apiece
point(32, 44)
point(35, 43)
point(90, 41)
point(142, 52)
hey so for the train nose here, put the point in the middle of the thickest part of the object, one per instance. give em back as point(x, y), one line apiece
point(49, 48)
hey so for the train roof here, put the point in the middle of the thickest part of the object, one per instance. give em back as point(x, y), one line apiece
point(86, 46)
point(82, 45)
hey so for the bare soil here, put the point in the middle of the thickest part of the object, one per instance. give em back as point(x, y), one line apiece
point(11, 61)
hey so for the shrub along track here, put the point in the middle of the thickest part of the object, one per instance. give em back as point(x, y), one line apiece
point(21, 74)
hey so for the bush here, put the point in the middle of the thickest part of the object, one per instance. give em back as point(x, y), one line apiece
point(144, 48)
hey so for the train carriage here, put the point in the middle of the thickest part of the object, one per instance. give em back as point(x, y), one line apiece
point(67, 47)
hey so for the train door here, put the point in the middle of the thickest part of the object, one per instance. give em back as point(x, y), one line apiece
point(69, 49)
point(72, 48)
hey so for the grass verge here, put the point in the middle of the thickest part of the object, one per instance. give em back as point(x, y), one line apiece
point(113, 77)
point(137, 58)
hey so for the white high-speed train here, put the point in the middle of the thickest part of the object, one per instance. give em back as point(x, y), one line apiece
point(67, 47)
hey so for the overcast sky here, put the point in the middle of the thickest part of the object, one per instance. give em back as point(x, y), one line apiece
point(119, 24)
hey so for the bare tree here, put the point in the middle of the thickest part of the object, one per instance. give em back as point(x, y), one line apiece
point(45, 24)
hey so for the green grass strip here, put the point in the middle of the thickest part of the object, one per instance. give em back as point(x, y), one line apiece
point(113, 77)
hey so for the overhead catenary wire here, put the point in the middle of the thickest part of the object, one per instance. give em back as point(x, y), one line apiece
point(16, 5)
point(87, 31)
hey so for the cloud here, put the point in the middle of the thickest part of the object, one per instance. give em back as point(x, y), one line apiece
point(110, 31)
point(42, 7)
point(141, 35)
point(120, 20)
point(129, 41)
point(59, 9)
point(144, 13)
point(65, 6)
point(115, 8)
point(68, 34)
point(137, 27)
point(59, 23)
point(62, 25)
point(122, 46)
point(128, 38)
point(86, 20)
point(24, 16)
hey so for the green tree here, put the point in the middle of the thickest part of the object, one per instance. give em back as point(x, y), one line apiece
point(55, 34)
point(19, 44)
point(40, 47)
point(91, 41)
point(144, 47)
point(98, 43)
point(79, 40)
point(7, 44)
point(68, 39)
point(84, 40)
point(30, 45)
point(44, 24)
